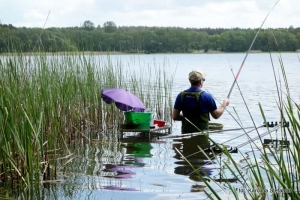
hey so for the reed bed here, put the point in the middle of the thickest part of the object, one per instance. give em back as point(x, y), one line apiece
point(51, 101)
point(273, 171)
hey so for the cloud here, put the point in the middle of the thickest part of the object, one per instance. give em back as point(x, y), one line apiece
point(210, 14)
point(178, 13)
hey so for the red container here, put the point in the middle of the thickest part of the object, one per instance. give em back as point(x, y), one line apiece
point(159, 123)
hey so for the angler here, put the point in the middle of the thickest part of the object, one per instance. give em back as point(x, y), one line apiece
point(196, 105)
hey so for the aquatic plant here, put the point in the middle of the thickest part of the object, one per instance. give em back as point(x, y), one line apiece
point(273, 171)
point(51, 101)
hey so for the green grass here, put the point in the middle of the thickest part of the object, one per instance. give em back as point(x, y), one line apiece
point(49, 102)
point(272, 173)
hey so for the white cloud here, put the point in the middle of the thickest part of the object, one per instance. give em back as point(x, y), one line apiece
point(188, 13)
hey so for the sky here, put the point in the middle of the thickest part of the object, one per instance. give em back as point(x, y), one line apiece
point(159, 13)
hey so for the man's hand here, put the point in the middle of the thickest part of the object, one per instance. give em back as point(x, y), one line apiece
point(225, 102)
point(218, 112)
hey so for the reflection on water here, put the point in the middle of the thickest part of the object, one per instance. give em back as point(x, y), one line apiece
point(139, 149)
point(135, 151)
point(110, 187)
point(189, 150)
point(116, 170)
point(192, 162)
point(138, 166)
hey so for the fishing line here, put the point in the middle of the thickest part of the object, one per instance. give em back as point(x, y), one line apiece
point(241, 145)
point(212, 146)
point(39, 38)
point(258, 137)
point(235, 81)
point(245, 104)
point(281, 101)
point(243, 134)
point(240, 69)
point(208, 132)
point(233, 116)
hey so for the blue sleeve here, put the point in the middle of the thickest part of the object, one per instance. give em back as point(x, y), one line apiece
point(177, 104)
point(209, 101)
point(212, 105)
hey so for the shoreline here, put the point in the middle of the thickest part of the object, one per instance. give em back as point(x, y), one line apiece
point(125, 53)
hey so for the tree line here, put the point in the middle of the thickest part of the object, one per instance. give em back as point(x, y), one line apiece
point(140, 39)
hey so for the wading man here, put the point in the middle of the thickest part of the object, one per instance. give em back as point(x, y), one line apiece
point(196, 105)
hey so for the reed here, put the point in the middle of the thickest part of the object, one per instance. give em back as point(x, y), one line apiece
point(273, 171)
point(51, 102)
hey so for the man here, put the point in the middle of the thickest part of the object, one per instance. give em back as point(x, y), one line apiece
point(196, 105)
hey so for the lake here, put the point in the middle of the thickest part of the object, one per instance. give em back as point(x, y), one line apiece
point(143, 169)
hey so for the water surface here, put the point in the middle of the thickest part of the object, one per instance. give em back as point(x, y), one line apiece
point(136, 168)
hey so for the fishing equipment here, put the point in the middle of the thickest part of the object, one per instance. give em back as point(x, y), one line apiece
point(208, 132)
point(274, 128)
point(274, 125)
point(240, 69)
point(234, 149)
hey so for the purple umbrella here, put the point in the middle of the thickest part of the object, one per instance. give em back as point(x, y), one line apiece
point(123, 99)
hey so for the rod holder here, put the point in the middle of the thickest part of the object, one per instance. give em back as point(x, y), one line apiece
point(276, 143)
point(273, 124)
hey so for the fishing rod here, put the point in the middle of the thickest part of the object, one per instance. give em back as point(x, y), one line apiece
point(39, 38)
point(240, 69)
point(212, 146)
point(266, 124)
point(235, 148)
point(257, 137)
point(208, 132)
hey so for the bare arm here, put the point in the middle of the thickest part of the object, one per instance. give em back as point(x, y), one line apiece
point(176, 115)
point(218, 112)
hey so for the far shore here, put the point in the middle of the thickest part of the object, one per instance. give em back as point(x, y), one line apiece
point(129, 53)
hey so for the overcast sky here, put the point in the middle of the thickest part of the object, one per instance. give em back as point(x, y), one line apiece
point(161, 13)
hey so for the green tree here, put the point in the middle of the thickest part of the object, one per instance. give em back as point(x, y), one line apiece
point(88, 25)
point(144, 39)
point(109, 27)
point(214, 42)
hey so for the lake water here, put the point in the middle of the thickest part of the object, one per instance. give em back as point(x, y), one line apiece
point(142, 169)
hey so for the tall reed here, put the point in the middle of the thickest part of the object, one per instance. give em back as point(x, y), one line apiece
point(51, 101)
point(273, 171)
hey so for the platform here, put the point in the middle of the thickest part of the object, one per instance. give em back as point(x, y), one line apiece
point(166, 129)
